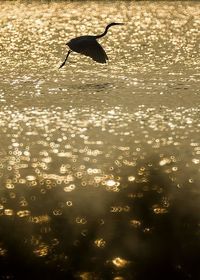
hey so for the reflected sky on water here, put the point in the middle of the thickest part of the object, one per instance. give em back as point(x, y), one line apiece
point(99, 164)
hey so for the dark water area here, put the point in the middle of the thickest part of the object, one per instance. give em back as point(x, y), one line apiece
point(147, 230)
point(100, 164)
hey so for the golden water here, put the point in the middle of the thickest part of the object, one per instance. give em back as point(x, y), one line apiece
point(99, 164)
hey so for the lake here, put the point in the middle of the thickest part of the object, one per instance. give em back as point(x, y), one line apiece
point(100, 163)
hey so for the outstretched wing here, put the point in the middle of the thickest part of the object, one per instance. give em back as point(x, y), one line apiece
point(94, 50)
point(90, 47)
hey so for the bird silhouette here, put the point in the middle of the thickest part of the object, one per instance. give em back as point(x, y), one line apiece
point(88, 45)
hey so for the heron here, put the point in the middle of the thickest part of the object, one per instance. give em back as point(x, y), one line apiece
point(88, 45)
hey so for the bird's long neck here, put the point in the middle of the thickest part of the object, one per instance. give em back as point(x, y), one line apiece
point(105, 32)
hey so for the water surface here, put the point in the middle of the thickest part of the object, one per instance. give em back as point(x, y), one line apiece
point(99, 164)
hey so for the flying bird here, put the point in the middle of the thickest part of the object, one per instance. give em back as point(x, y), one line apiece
point(88, 45)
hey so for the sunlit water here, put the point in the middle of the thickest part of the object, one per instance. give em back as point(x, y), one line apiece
point(99, 164)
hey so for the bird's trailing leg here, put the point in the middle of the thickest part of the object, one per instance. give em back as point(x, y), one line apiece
point(65, 59)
